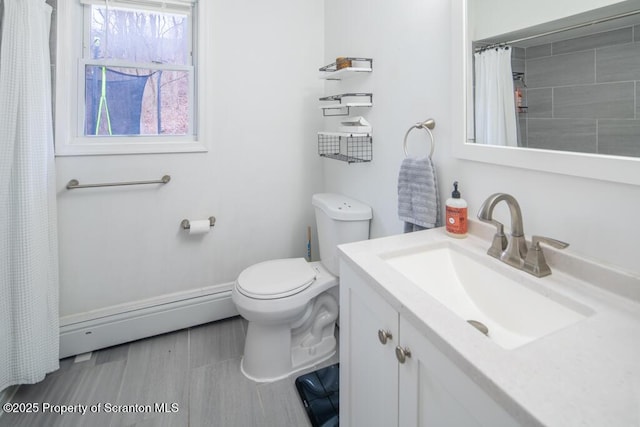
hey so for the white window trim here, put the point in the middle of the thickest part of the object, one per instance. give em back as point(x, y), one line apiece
point(179, 5)
point(69, 137)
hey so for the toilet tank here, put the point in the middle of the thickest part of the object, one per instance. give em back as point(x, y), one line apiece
point(339, 220)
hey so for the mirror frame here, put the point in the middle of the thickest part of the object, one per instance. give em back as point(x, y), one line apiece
point(619, 169)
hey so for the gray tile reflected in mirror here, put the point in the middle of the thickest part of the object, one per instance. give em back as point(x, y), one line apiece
point(619, 137)
point(583, 94)
point(594, 41)
point(637, 99)
point(574, 135)
point(540, 103)
point(597, 101)
point(560, 70)
point(618, 63)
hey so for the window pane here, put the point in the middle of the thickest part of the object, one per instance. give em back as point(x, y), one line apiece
point(136, 101)
point(139, 35)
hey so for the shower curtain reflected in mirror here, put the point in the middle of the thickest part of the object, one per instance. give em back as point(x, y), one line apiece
point(29, 333)
point(495, 111)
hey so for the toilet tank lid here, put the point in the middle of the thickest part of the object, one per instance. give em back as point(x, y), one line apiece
point(340, 207)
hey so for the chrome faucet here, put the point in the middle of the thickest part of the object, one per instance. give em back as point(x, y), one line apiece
point(514, 251)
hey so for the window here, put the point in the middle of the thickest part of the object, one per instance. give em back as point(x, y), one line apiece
point(136, 78)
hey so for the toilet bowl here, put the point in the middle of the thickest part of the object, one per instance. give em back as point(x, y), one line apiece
point(291, 331)
point(290, 304)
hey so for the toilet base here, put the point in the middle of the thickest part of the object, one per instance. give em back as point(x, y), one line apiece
point(304, 357)
point(277, 358)
point(289, 334)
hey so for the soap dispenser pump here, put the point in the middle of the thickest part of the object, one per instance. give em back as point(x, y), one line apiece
point(456, 214)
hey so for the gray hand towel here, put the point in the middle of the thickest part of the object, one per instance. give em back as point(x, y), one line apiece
point(418, 199)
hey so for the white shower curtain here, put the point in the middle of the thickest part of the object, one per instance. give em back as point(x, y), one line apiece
point(495, 108)
point(29, 334)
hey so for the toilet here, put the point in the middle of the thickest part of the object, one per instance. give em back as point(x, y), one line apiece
point(291, 304)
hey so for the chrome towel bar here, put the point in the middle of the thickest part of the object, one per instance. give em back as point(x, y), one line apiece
point(73, 184)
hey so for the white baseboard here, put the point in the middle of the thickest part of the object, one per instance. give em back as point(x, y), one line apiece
point(107, 327)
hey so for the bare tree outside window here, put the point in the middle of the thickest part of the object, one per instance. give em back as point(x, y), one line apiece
point(137, 80)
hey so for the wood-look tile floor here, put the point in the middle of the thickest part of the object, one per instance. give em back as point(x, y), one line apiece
point(195, 372)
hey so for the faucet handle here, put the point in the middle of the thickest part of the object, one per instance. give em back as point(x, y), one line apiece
point(536, 240)
point(499, 242)
point(535, 262)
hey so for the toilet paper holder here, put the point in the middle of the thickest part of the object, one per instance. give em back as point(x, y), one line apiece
point(185, 224)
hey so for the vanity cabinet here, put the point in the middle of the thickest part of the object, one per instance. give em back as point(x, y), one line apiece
point(368, 368)
point(392, 375)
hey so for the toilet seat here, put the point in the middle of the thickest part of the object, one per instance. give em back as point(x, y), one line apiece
point(275, 279)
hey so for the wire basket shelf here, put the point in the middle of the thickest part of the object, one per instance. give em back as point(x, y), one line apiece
point(350, 148)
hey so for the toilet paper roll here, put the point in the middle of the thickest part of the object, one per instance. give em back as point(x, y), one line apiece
point(200, 226)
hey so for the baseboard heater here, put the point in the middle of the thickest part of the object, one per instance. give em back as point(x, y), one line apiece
point(129, 322)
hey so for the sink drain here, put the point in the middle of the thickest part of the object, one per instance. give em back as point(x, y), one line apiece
point(479, 326)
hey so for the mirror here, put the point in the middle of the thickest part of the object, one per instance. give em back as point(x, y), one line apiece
point(574, 116)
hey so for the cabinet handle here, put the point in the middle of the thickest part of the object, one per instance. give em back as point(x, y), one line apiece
point(384, 336)
point(402, 354)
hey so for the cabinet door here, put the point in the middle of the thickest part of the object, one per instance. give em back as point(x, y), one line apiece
point(435, 392)
point(368, 369)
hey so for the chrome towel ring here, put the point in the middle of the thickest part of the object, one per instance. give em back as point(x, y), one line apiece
point(426, 125)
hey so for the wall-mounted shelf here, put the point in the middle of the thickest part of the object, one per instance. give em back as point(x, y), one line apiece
point(345, 102)
point(347, 147)
point(358, 65)
point(345, 134)
point(344, 146)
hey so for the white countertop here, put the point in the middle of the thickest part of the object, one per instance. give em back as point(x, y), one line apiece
point(586, 374)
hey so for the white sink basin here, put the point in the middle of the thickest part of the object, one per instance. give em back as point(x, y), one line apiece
point(514, 312)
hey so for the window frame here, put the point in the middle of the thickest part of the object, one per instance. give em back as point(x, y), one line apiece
point(70, 92)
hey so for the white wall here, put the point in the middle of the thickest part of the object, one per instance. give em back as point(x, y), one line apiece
point(409, 41)
point(124, 244)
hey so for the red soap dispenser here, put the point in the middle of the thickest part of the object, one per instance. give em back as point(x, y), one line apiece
point(456, 214)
